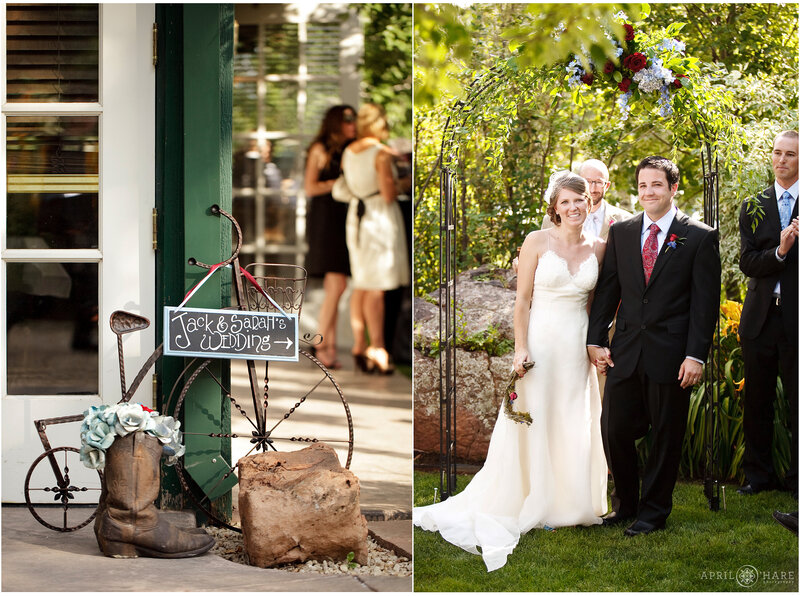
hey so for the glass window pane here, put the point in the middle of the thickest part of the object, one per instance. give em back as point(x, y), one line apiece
point(52, 328)
point(281, 107)
point(245, 59)
point(245, 106)
point(321, 96)
point(52, 52)
point(282, 51)
point(322, 50)
point(52, 181)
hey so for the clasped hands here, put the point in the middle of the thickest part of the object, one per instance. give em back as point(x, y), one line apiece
point(788, 236)
point(690, 373)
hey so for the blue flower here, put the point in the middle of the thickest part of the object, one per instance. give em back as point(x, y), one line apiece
point(622, 102)
point(665, 104)
point(99, 435)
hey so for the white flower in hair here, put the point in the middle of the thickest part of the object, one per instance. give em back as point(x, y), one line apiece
point(554, 178)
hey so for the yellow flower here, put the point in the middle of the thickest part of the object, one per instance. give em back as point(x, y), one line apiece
point(740, 385)
point(732, 310)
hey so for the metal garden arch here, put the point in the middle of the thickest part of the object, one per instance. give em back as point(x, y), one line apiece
point(449, 162)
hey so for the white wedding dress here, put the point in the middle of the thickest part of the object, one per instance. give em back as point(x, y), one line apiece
point(552, 473)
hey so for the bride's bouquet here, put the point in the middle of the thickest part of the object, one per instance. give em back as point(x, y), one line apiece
point(511, 395)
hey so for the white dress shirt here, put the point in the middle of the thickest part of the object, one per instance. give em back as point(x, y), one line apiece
point(779, 190)
point(663, 226)
point(594, 221)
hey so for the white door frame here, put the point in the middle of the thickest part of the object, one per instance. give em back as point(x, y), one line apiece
point(126, 261)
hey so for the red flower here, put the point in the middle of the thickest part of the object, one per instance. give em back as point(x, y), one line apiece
point(145, 408)
point(635, 62)
point(672, 238)
point(609, 67)
point(588, 78)
point(628, 32)
point(624, 85)
point(512, 396)
point(677, 83)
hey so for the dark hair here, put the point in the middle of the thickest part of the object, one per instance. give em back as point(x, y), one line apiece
point(330, 131)
point(570, 181)
point(656, 162)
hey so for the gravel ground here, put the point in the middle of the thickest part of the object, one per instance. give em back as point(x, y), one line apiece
point(230, 545)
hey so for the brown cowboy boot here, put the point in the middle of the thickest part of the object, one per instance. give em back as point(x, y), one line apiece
point(127, 523)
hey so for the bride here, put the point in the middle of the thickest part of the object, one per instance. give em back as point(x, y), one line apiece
point(551, 473)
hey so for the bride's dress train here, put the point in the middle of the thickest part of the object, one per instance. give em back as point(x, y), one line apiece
point(552, 473)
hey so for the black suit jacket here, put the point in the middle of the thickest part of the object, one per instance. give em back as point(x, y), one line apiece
point(758, 261)
point(672, 317)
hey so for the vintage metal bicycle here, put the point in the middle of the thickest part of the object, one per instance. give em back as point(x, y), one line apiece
point(273, 287)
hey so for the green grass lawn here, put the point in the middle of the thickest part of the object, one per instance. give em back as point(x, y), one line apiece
point(700, 550)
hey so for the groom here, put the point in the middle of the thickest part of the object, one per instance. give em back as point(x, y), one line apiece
point(662, 270)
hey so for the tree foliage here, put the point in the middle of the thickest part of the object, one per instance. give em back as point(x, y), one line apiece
point(526, 126)
point(387, 65)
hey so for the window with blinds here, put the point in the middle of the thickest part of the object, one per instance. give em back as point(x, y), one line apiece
point(52, 53)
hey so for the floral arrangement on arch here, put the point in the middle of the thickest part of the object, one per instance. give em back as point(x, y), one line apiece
point(644, 66)
point(102, 424)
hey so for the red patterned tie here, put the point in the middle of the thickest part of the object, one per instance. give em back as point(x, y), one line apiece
point(650, 252)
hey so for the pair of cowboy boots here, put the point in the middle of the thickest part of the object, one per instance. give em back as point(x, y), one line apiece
point(127, 523)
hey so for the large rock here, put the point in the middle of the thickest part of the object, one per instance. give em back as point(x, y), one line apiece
point(484, 299)
point(300, 505)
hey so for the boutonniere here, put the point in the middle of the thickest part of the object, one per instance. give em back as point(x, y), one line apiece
point(611, 222)
point(674, 241)
point(511, 395)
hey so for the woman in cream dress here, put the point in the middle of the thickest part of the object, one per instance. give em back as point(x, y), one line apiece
point(375, 236)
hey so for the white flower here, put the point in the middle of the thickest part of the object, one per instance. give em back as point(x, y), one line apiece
point(621, 16)
point(672, 45)
point(130, 418)
point(653, 77)
point(92, 457)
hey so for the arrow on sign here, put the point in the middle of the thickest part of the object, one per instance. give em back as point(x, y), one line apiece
point(286, 341)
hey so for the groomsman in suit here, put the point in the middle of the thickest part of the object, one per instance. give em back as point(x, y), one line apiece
point(768, 328)
point(662, 271)
point(602, 214)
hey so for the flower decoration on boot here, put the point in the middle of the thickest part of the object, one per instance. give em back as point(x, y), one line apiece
point(102, 424)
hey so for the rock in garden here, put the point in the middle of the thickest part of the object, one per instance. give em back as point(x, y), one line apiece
point(300, 505)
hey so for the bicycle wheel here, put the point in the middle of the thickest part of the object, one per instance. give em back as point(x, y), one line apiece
point(53, 481)
point(297, 404)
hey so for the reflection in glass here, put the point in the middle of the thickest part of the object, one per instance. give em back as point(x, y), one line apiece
point(322, 49)
point(52, 52)
point(282, 55)
point(281, 106)
point(52, 181)
point(52, 331)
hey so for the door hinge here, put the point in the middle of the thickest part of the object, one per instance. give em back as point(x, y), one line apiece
point(155, 45)
point(155, 390)
point(155, 228)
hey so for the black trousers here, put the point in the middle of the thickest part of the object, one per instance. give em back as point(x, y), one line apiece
point(632, 406)
point(773, 351)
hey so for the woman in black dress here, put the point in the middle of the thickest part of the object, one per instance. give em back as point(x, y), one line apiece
point(325, 226)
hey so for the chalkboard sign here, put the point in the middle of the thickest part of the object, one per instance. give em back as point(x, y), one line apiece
point(214, 333)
